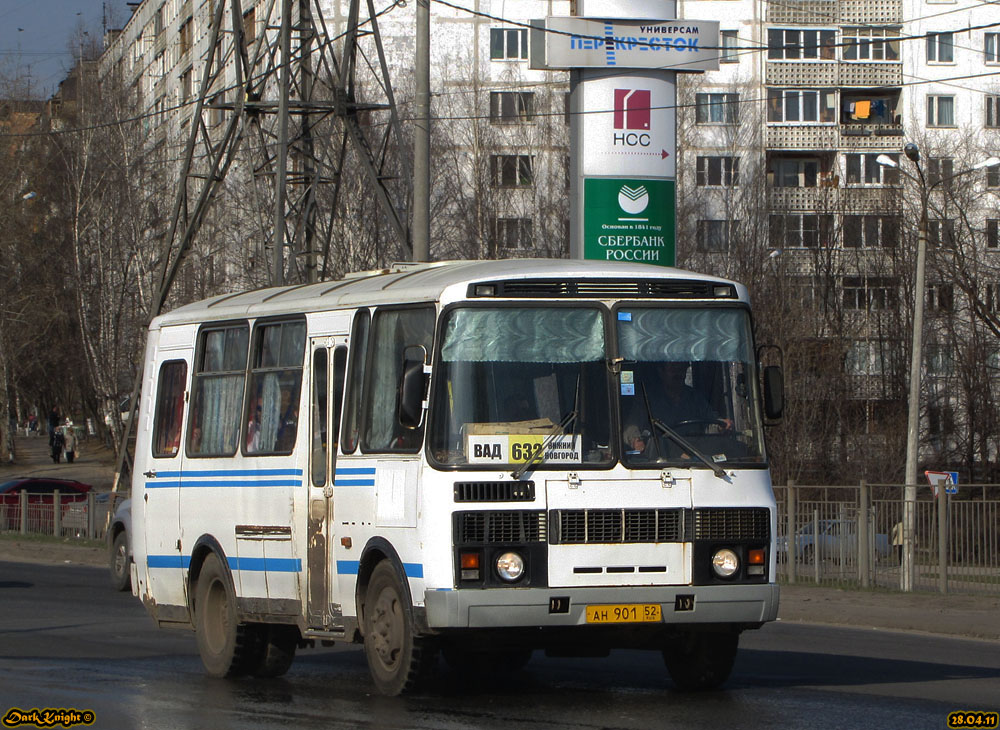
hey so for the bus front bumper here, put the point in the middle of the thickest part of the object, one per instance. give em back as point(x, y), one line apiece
point(746, 605)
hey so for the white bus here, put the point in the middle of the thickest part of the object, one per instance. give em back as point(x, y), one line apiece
point(477, 459)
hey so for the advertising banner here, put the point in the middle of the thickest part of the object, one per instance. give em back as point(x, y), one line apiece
point(629, 219)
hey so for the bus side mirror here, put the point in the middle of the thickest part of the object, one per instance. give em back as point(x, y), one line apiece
point(774, 392)
point(411, 387)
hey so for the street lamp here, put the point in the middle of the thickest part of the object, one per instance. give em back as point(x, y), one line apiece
point(912, 153)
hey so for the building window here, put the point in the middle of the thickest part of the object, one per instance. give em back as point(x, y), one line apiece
point(794, 173)
point(940, 110)
point(730, 47)
point(508, 44)
point(870, 231)
point(801, 106)
point(993, 176)
point(512, 107)
point(870, 293)
point(716, 108)
point(187, 85)
point(991, 47)
point(940, 171)
point(511, 171)
point(991, 297)
point(512, 233)
point(993, 233)
point(799, 230)
point(871, 44)
point(718, 171)
point(941, 47)
point(801, 44)
point(185, 36)
point(714, 235)
point(868, 357)
point(864, 169)
point(938, 360)
point(941, 233)
point(993, 111)
point(940, 297)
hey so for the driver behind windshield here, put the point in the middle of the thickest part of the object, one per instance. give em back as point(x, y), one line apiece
point(671, 400)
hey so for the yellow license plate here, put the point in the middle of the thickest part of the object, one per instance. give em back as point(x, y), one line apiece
point(624, 613)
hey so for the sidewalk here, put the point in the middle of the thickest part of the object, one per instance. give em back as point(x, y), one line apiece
point(94, 463)
point(956, 615)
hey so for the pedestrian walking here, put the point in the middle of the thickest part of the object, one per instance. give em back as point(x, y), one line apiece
point(69, 441)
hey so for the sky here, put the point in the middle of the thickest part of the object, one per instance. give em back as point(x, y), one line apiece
point(34, 36)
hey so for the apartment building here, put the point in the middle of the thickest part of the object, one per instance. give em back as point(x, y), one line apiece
point(791, 177)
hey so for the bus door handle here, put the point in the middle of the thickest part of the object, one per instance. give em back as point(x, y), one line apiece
point(328, 491)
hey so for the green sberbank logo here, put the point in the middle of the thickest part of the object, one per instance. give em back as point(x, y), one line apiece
point(629, 220)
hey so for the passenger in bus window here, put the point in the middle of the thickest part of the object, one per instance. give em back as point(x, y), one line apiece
point(286, 422)
point(254, 427)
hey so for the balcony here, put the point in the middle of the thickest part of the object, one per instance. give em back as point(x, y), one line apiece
point(801, 137)
point(863, 73)
point(871, 136)
point(804, 12)
point(879, 200)
point(812, 200)
point(871, 12)
point(801, 73)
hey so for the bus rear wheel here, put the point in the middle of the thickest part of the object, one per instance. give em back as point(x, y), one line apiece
point(701, 660)
point(398, 658)
point(227, 646)
point(275, 649)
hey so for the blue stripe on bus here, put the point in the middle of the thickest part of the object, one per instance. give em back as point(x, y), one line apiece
point(168, 561)
point(230, 473)
point(354, 482)
point(355, 470)
point(224, 483)
point(351, 567)
point(273, 565)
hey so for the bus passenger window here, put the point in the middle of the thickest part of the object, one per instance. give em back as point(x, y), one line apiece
point(319, 413)
point(352, 411)
point(273, 393)
point(217, 391)
point(169, 409)
point(394, 331)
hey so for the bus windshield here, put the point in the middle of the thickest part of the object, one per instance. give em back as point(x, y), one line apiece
point(686, 387)
point(515, 384)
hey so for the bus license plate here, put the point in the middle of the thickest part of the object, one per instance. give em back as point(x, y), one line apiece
point(627, 613)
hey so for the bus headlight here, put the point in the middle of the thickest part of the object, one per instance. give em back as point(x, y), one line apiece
point(510, 567)
point(725, 563)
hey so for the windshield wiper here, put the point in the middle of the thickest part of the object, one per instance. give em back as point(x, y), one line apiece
point(663, 428)
point(560, 430)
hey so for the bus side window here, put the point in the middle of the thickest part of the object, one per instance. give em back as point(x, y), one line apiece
point(355, 382)
point(319, 413)
point(217, 391)
point(339, 372)
point(275, 385)
point(169, 409)
point(394, 330)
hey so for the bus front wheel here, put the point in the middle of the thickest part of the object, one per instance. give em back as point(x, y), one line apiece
point(701, 660)
point(398, 658)
point(226, 646)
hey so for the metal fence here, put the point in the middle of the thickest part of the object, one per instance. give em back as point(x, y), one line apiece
point(84, 519)
point(852, 536)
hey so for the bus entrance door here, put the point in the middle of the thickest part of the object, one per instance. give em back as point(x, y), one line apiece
point(328, 359)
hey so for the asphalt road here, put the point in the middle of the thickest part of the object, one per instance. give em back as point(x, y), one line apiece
point(68, 641)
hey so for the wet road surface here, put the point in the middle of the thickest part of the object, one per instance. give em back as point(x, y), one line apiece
point(68, 640)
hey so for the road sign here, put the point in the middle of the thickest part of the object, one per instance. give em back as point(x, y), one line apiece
point(946, 479)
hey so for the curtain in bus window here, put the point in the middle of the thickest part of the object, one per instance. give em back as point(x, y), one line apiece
point(551, 335)
point(219, 398)
point(657, 335)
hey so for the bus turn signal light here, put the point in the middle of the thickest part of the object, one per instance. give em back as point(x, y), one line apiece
point(755, 557)
point(470, 566)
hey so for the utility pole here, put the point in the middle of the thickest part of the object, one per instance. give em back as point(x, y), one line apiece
point(281, 165)
point(422, 136)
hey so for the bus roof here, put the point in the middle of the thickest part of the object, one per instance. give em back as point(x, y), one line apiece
point(428, 282)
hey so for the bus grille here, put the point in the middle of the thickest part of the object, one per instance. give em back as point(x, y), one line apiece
point(522, 491)
point(606, 288)
point(589, 526)
point(731, 523)
point(500, 527)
